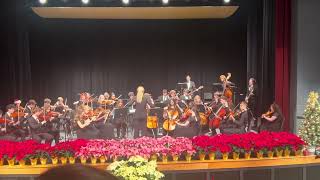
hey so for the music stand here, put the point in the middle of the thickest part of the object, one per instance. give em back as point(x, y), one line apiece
point(157, 111)
point(121, 113)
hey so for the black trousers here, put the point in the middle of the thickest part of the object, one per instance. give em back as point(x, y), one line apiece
point(140, 125)
point(38, 137)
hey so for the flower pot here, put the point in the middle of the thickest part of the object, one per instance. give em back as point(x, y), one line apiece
point(270, 154)
point(287, 153)
point(54, 160)
point(115, 158)
point(83, 160)
point(235, 156)
point(225, 156)
point(34, 161)
point(72, 160)
point(247, 155)
point(202, 156)
point(154, 157)
point(259, 155)
point(188, 157)
point(43, 161)
point(279, 153)
point(93, 160)
point(212, 156)
point(64, 160)
point(164, 158)
point(22, 162)
point(175, 158)
point(103, 159)
point(11, 161)
point(298, 153)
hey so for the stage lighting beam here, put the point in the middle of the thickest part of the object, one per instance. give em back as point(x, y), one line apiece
point(85, 1)
point(42, 1)
point(165, 1)
point(226, 1)
point(126, 2)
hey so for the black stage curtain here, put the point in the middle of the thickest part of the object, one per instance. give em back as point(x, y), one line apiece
point(260, 51)
point(51, 57)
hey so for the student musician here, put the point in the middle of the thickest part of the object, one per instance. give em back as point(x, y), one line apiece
point(188, 125)
point(120, 122)
point(226, 86)
point(273, 119)
point(53, 124)
point(219, 117)
point(164, 98)
point(251, 96)
point(174, 96)
point(84, 118)
point(238, 121)
point(141, 100)
point(8, 127)
point(186, 96)
point(171, 114)
point(38, 130)
point(190, 85)
point(29, 108)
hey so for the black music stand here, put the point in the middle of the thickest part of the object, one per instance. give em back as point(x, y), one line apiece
point(121, 113)
point(156, 112)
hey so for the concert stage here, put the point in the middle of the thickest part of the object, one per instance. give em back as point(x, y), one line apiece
point(297, 167)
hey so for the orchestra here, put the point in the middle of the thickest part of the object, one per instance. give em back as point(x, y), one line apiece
point(176, 112)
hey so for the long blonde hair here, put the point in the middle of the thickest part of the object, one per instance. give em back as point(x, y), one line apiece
point(140, 93)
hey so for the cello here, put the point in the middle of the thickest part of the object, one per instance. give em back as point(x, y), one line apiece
point(170, 123)
point(218, 116)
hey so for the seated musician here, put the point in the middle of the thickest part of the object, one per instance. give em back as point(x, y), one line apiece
point(219, 117)
point(273, 119)
point(171, 114)
point(215, 104)
point(188, 125)
point(120, 122)
point(29, 108)
point(185, 96)
point(237, 122)
point(164, 98)
point(84, 119)
point(38, 130)
point(53, 125)
point(173, 95)
point(8, 125)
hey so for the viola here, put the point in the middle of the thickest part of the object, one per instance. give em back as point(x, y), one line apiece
point(267, 114)
point(18, 113)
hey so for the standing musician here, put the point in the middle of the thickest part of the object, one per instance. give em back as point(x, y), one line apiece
point(53, 122)
point(84, 117)
point(251, 96)
point(238, 121)
point(38, 131)
point(273, 119)
point(190, 85)
point(120, 122)
point(141, 101)
point(9, 125)
point(226, 85)
point(164, 98)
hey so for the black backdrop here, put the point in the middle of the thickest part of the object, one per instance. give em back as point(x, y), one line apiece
point(50, 57)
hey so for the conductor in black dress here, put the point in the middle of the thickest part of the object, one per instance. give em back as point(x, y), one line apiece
point(141, 101)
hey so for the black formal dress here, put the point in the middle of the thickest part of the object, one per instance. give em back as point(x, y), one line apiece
point(189, 131)
point(274, 126)
point(238, 126)
point(88, 132)
point(140, 115)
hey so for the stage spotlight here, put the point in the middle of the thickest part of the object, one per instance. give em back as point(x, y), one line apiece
point(125, 1)
point(42, 1)
point(165, 1)
point(226, 1)
point(85, 1)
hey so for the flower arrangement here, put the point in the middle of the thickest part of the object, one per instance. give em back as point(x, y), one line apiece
point(135, 168)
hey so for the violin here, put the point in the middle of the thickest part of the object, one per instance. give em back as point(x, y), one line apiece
point(267, 114)
point(19, 112)
point(48, 115)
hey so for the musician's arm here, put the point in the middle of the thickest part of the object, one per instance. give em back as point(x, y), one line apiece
point(150, 101)
point(82, 125)
point(271, 119)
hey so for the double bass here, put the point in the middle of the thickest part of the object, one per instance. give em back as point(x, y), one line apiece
point(227, 90)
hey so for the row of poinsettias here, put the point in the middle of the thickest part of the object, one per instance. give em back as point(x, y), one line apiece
point(222, 146)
